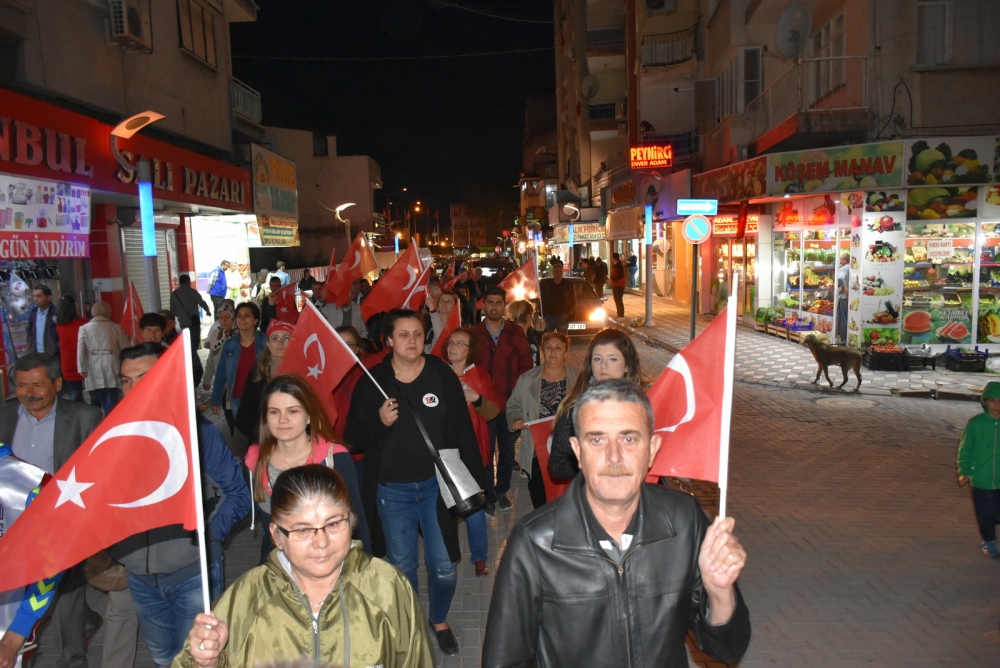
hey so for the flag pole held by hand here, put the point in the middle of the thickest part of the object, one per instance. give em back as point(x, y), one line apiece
point(196, 469)
point(727, 395)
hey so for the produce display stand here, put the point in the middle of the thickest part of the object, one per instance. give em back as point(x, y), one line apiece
point(956, 359)
point(876, 361)
point(920, 357)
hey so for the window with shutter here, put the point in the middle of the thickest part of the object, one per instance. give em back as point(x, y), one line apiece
point(197, 30)
point(751, 75)
point(210, 39)
point(184, 22)
point(932, 42)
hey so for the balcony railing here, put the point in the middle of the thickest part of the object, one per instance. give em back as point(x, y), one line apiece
point(837, 83)
point(603, 112)
point(245, 101)
point(685, 145)
point(606, 38)
point(668, 48)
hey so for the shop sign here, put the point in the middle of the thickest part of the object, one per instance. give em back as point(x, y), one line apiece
point(43, 219)
point(940, 249)
point(949, 161)
point(40, 140)
point(733, 183)
point(275, 189)
point(651, 156)
point(582, 233)
point(836, 169)
point(626, 224)
point(810, 212)
point(727, 225)
point(278, 231)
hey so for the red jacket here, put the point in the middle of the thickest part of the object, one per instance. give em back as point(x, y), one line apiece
point(505, 360)
point(618, 274)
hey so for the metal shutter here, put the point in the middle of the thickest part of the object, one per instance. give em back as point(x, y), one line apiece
point(135, 265)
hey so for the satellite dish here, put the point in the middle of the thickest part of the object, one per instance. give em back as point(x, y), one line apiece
point(792, 30)
point(589, 87)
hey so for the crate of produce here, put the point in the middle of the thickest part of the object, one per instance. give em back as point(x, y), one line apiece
point(884, 358)
point(800, 327)
point(963, 359)
point(760, 326)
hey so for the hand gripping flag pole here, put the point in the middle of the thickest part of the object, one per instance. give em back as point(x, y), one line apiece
point(727, 396)
point(196, 469)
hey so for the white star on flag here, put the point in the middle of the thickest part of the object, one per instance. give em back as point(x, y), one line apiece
point(283, 309)
point(70, 490)
point(314, 372)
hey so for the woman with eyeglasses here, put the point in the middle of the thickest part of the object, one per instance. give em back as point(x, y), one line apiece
point(294, 431)
point(319, 595)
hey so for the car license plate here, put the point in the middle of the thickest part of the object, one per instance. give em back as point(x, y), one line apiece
point(577, 325)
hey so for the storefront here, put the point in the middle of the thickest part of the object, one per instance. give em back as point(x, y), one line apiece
point(733, 259)
point(69, 211)
point(918, 222)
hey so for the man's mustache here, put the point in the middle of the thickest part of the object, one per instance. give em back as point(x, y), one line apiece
point(32, 400)
point(616, 471)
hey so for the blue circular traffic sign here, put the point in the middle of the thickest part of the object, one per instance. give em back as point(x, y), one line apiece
point(696, 229)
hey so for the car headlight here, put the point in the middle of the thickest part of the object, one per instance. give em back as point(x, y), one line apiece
point(598, 315)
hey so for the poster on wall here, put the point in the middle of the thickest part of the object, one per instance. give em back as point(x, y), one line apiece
point(740, 181)
point(991, 201)
point(43, 219)
point(944, 161)
point(854, 286)
point(836, 169)
point(810, 213)
point(879, 284)
point(942, 204)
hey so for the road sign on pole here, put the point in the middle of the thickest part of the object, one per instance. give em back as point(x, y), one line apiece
point(705, 207)
point(696, 229)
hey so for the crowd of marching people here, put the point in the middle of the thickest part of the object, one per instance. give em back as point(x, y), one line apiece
point(424, 434)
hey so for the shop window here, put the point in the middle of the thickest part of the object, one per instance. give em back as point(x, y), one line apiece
point(958, 33)
point(197, 30)
point(752, 72)
point(830, 45)
point(321, 147)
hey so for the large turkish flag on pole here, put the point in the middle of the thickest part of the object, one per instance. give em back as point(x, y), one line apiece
point(692, 406)
point(522, 283)
point(133, 474)
point(392, 289)
point(317, 353)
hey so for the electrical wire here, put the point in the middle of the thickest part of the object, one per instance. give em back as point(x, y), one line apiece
point(502, 17)
point(443, 56)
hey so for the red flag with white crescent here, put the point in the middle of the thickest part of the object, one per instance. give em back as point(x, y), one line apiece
point(134, 473)
point(284, 304)
point(392, 289)
point(687, 403)
point(132, 313)
point(418, 293)
point(522, 283)
point(358, 263)
point(317, 353)
point(454, 322)
point(541, 436)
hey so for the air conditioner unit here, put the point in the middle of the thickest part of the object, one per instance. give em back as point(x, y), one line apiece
point(130, 25)
point(619, 110)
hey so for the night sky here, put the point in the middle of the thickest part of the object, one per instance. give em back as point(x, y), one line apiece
point(436, 126)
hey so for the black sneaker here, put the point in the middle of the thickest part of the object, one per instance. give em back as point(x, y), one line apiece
point(446, 641)
point(491, 509)
point(503, 503)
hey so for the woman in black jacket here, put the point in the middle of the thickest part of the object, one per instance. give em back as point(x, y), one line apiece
point(400, 489)
point(611, 355)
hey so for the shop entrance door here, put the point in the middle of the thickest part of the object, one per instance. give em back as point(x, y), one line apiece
point(732, 256)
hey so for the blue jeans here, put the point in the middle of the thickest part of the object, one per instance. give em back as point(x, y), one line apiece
point(503, 440)
point(107, 398)
point(479, 541)
point(405, 509)
point(166, 614)
point(73, 390)
point(234, 405)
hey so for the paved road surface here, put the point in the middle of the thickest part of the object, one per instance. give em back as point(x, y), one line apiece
point(863, 550)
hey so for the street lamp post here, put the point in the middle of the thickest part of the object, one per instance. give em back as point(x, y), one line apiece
point(125, 130)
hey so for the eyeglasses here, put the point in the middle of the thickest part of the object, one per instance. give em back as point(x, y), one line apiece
point(280, 339)
point(308, 533)
point(457, 343)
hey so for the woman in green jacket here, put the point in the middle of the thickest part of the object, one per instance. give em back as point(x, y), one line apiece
point(979, 463)
point(319, 596)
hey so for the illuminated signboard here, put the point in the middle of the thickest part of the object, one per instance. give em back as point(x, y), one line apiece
point(651, 156)
point(726, 225)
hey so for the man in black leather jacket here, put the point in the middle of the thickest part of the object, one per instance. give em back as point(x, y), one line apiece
point(616, 571)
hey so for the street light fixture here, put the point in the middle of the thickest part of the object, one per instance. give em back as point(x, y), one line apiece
point(125, 130)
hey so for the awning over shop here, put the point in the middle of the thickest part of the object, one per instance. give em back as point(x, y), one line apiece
point(625, 224)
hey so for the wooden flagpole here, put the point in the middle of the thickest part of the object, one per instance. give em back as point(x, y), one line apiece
point(196, 468)
point(727, 396)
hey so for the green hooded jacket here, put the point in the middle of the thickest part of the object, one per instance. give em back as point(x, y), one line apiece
point(979, 449)
point(371, 618)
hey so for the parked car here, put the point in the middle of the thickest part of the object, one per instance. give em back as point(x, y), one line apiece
point(494, 269)
point(590, 316)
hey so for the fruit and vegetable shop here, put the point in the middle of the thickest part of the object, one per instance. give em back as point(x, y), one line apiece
point(905, 233)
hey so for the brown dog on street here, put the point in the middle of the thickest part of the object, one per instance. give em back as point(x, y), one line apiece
point(827, 356)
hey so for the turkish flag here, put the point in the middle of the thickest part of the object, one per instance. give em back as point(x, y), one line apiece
point(132, 313)
point(133, 474)
point(541, 436)
point(358, 263)
point(450, 271)
point(454, 322)
point(392, 289)
point(284, 304)
point(418, 293)
point(523, 283)
point(687, 403)
point(317, 353)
